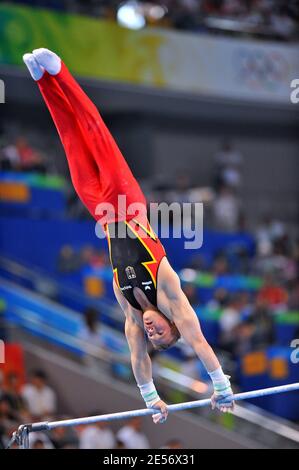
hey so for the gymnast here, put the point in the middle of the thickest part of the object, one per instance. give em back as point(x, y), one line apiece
point(146, 287)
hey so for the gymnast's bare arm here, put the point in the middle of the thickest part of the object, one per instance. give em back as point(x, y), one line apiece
point(174, 304)
point(140, 360)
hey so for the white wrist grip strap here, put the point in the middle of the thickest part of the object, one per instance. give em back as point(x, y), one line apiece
point(149, 394)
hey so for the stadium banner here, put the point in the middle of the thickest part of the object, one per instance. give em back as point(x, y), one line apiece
point(180, 61)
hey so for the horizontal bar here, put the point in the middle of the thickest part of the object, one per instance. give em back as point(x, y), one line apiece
point(46, 426)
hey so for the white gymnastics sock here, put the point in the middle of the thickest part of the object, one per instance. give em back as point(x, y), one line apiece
point(36, 71)
point(48, 59)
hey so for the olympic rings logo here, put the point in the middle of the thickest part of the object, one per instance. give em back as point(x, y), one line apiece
point(260, 69)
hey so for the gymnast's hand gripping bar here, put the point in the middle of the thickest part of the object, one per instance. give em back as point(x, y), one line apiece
point(21, 436)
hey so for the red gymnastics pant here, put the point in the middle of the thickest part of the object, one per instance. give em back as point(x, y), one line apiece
point(98, 170)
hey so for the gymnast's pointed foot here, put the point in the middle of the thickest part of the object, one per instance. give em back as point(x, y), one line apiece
point(35, 69)
point(48, 60)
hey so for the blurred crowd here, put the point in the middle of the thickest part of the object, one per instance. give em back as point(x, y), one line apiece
point(276, 258)
point(37, 400)
point(269, 18)
point(221, 196)
point(223, 207)
point(71, 260)
point(264, 18)
point(19, 155)
point(247, 320)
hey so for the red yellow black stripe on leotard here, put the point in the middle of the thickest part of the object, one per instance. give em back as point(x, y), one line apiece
point(152, 235)
point(151, 265)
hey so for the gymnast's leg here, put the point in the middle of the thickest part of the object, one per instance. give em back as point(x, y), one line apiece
point(113, 172)
point(84, 172)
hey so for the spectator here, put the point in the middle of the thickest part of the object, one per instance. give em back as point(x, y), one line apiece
point(243, 343)
point(39, 396)
point(263, 333)
point(4, 334)
point(246, 306)
point(219, 300)
point(282, 24)
point(228, 166)
point(296, 255)
point(226, 210)
point(173, 444)
point(191, 293)
point(181, 191)
point(272, 294)
point(132, 437)
point(97, 436)
point(39, 440)
point(65, 438)
point(268, 231)
point(8, 421)
point(6, 412)
point(255, 332)
point(293, 303)
point(38, 444)
point(9, 158)
point(89, 256)
point(30, 159)
point(220, 265)
point(13, 394)
point(229, 322)
point(68, 260)
point(185, 15)
point(2, 437)
point(2, 390)
point(233, 8)
point(21, 156)
point(119, 445)
point(91, 332)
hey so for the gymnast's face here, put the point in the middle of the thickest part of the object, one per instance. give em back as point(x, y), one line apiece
point(158, 328)
point(160, 331)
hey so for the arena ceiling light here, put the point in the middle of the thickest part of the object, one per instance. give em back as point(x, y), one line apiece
point(134, 15)
point(130, 15)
